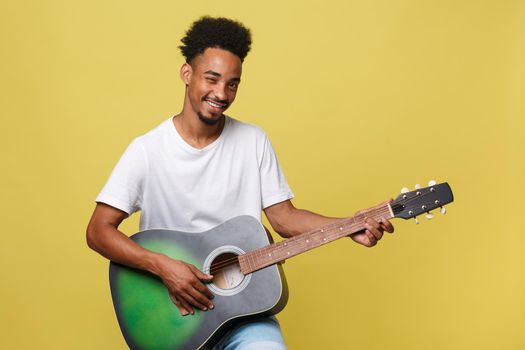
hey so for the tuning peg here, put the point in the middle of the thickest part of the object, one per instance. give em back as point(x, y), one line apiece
point(432, 183)
point(443, 210)
point(405, 190)
point(416, 220)
point(429, 216)
point(417, 187)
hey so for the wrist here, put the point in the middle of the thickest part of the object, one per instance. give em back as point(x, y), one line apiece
point(153, 262)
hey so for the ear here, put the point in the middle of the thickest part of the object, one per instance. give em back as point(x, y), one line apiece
point(185, 73)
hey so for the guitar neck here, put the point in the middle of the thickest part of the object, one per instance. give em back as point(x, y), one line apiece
point(277, 252)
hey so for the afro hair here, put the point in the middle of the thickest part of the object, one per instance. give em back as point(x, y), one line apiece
point(218, 32)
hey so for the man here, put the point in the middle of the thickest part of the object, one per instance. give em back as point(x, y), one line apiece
point(199, 169)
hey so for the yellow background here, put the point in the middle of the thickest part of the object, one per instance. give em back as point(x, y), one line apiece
point(359, 98)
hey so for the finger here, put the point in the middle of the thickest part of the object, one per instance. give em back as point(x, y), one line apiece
point(365, 238)
point(372, 241)
point(187, 307)
point(200, 275)
point(362, 238)
point(196, 298)
point(372, 222)
point(359, 238)
point(184, 308)
point(204, 290)
point(191, 302)
point(375, 231)
point(388, 227)
point(199, 290)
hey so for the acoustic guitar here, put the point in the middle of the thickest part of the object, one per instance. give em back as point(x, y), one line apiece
point(248, 279)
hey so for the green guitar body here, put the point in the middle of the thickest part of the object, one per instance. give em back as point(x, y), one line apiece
point(147, 316)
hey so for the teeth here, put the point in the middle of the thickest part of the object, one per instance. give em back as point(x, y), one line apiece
point(213, 104)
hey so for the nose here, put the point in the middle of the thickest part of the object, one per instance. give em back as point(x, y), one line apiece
point(220, 92)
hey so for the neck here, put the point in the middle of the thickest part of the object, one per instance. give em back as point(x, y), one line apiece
point(195, 132)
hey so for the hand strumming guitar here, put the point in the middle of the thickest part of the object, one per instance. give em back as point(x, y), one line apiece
point(184, 281)
point(185, 284)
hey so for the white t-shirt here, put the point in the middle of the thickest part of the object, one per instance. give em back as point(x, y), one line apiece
point(179, 187)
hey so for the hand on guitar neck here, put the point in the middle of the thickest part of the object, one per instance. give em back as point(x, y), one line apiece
point(373, 232)
point(374, 228)
point(289, 221)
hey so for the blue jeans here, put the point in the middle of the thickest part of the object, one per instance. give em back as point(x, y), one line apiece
point(260, 334)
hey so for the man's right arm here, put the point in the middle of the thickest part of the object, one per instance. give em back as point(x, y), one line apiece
point(184, 281)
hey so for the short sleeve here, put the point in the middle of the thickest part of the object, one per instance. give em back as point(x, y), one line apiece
point(125, 186)
point(274, 187)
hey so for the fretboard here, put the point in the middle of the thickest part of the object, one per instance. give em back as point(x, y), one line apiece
point(277, 252)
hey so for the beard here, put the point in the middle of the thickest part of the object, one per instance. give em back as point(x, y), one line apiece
point(209, 121)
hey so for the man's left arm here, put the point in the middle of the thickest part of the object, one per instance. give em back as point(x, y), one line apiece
point(289, 221)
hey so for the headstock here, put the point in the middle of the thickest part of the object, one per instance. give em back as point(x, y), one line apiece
point(410, 204)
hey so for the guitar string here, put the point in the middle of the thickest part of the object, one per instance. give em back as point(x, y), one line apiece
point(328, 235)
point(259, 253)
point(279, 247)
point(219, 266)
point(225, 262)
point(327, 230)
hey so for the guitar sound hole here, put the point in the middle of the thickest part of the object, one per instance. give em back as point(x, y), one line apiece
point(226, 271)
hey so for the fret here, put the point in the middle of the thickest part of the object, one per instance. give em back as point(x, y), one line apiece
point(293, 246)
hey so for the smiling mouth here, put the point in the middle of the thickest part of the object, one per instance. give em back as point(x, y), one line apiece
point(216, 104)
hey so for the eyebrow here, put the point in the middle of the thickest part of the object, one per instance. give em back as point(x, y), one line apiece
point(218, 75)
point(213, 73)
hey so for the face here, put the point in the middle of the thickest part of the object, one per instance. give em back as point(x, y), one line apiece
point(211, 82)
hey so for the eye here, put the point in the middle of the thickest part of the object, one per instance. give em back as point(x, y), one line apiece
point(211, 80)
point(233, 85)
